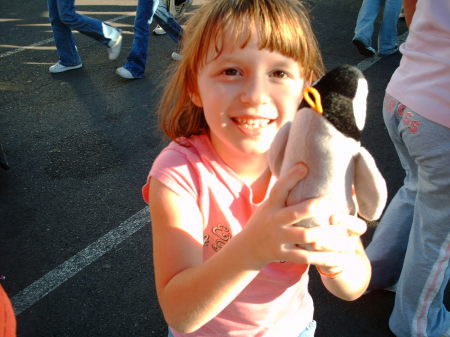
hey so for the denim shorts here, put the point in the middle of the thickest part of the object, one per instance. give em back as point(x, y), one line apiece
point(308, 332)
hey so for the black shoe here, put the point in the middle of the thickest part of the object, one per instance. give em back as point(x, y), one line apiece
point(363, 49)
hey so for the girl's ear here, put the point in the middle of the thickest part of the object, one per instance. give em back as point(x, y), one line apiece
point(195, 98)
point(308, 82)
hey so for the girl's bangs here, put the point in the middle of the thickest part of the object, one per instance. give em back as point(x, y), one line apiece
point(281, 32)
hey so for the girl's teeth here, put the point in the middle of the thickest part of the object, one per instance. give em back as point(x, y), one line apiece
point(252, 123)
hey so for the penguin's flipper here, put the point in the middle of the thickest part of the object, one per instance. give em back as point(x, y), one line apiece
point(277, 149)
point(370, 186)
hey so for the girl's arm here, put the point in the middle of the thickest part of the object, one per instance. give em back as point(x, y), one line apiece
point(352, 282)
point(354, 278)
point(190, 291)
point(347, 275)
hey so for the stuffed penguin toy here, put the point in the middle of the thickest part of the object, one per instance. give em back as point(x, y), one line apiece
point(325, 135)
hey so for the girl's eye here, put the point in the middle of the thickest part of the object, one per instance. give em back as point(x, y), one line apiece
point(231, 72)
point(279, 74)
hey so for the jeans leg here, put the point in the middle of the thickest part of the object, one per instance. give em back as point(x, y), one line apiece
point(82, 23)
point(168, 23)
point(419, 309)
point(366, 20)
point(137, 58)
point(62, 34)
point(387, 38)
point(387, 249)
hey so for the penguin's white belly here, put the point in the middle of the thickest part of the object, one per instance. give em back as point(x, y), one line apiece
point(329, 157)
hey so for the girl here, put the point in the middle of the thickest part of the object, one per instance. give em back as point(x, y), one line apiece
point(224, 245)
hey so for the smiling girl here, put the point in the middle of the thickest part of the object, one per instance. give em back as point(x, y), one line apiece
point(224, 245)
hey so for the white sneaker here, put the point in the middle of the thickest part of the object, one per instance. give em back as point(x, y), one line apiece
point(115, 45)
point(124, 73)
point(159, 30)
point(176, 57)
point(59, 68)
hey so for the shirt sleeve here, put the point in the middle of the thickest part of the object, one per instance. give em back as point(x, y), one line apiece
point(175, 171)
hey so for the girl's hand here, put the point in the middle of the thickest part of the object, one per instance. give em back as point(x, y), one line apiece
point(346, 227)
point(271, 234)
point(340, 257)
point(340, 240)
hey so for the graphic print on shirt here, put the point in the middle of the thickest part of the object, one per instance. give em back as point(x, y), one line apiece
point(218, 238)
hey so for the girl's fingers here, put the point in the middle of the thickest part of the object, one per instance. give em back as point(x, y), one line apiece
point(287, 182)
point(355, 226)
point(318, 212)
point(338, 238)
point(323, 259)
point(323, 238)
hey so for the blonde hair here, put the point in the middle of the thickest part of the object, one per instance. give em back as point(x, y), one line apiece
point(281, 25)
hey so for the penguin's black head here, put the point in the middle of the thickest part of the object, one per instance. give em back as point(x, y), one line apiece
point(343, 93)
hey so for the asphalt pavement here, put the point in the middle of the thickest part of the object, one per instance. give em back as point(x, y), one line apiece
point(75, 240)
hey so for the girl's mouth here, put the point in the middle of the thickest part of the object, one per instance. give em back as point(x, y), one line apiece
point(252, 123)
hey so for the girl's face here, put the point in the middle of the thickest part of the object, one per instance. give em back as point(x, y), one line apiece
point(247, 95)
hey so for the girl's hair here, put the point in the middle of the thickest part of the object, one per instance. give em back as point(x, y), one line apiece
point(280, 25)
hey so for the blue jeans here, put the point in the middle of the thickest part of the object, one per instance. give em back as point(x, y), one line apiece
point(387, 37)
point(308, 332)
point(411, 246)
point(147, 10)
point(64, 18)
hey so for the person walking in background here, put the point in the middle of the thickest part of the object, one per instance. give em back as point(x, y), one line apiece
point(410, 249)
point(64, 18)
point(181, 6)
point(145, 12)
point(365, 24)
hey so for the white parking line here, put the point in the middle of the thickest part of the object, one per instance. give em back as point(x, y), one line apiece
point(53, 279)
point(18, 50)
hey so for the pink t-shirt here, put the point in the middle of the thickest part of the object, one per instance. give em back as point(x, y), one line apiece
point(422, 81)
point(277, 302)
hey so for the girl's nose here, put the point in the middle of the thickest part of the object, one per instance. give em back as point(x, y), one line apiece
point(255, 91)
